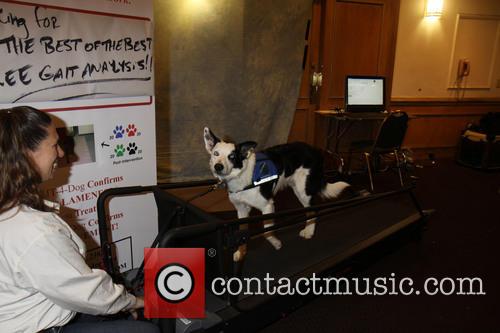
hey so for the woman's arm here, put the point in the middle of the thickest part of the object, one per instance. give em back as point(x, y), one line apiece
point(53, 265)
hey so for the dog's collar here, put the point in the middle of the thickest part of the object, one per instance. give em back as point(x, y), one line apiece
point(264, 171)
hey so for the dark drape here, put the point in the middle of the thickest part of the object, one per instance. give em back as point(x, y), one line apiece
point(234, 66)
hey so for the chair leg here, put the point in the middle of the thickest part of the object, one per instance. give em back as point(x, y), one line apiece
point(368, 164)
point(399, 167)
point(348, 165)
point(341, 167)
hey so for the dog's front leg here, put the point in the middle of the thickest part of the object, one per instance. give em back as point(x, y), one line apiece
point(243, 211)
point(275, 242)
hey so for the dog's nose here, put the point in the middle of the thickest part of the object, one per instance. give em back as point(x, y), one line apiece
point(218, 167)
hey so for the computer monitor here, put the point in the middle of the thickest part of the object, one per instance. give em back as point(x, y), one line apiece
point(364, 93)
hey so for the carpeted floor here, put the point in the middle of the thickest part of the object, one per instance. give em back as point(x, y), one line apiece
point(461, 240)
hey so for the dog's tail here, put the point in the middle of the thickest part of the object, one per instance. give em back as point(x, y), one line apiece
point(333, 190)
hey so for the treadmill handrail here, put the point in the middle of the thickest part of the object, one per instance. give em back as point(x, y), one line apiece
point(128, 190)
point(183, 232)
point(106, 251)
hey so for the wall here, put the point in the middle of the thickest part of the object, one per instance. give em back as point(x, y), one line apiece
point(425, 69)
point(424, 50)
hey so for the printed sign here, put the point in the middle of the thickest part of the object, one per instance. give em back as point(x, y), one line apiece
point(78, 54)
point(55, 52)
point(108, 143)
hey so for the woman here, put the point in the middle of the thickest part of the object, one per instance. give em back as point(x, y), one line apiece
point(44, 280)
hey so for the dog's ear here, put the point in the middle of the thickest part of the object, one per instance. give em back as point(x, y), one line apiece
point(210, 139)
point(246, 147)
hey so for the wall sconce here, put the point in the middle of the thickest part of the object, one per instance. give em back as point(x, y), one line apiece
point(433, 8)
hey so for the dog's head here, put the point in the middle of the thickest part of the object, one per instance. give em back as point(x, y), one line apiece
point(227, 160)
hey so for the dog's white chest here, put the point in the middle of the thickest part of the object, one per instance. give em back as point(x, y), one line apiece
point(250, 197)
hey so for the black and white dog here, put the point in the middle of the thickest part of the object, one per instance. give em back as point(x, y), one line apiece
point(252, 179)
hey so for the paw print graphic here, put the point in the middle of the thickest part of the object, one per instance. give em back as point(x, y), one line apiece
point(132, 148)
point(118, 132)
point(131, 130)
point(119, 150)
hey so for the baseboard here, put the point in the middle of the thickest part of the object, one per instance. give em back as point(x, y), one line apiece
point(433, 153)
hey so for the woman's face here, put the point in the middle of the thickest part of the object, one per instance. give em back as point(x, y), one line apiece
point(46, 154)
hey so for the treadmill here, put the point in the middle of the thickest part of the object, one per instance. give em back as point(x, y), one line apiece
point(196, 214)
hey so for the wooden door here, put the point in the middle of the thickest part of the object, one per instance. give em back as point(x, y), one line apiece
point(346, 37)
point(359, 39)
point(304, 119)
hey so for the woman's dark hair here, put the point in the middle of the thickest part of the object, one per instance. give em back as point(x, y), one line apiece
point(22, 128)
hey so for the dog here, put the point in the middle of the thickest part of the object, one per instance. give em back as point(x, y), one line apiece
point(252, 179)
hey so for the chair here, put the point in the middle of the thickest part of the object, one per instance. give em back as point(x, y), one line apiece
point(479, 145)
point(389, 138)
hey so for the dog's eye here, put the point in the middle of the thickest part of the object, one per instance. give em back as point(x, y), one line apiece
point(231, 156)
point(216, 153)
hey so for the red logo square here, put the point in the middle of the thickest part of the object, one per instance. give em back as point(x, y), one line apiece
point(174, 283)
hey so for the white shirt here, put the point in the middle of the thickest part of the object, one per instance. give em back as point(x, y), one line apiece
point(44, 279)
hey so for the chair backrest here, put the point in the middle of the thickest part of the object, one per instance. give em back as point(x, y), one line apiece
point(392, 132)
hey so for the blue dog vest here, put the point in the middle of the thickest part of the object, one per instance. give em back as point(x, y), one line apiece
point(265, 170)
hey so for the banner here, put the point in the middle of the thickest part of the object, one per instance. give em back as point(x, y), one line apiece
point(54, 50)
point(93, 60)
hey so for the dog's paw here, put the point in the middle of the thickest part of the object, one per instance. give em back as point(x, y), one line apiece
point(238, 256)
point(307, 232)
point(275, 242)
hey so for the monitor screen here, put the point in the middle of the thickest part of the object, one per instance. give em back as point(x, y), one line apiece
point(365, 93)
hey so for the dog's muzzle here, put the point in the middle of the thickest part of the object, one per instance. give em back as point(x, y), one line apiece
point(218, 168)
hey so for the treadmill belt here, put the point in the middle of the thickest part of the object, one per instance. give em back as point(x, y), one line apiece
point(335, 233)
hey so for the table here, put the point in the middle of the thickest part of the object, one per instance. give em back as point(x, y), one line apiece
point(343, 122)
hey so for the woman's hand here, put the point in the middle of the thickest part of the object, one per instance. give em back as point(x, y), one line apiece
point(139, 304)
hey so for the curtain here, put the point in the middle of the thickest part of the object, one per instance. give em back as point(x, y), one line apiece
point(234, 66)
